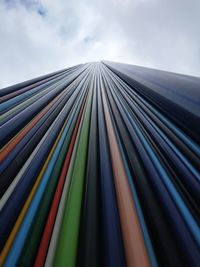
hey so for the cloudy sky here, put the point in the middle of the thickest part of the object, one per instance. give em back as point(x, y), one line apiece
point(42, 36)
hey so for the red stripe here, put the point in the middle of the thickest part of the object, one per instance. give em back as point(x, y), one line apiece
point(44, 244)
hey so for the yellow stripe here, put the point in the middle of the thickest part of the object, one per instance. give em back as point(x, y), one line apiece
point(27, 203)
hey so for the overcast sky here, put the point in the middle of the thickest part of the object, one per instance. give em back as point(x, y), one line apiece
point(42, 36)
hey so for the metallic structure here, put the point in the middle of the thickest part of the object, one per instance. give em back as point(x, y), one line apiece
point(100, 166)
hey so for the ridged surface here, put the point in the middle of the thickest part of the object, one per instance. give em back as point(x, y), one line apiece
point(100, 167)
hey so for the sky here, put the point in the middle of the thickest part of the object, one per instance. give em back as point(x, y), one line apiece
point(43, 36)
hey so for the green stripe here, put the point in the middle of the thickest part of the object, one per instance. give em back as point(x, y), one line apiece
point(68, 238)
point(31, 244)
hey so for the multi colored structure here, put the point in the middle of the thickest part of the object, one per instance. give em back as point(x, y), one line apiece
point(100, 166)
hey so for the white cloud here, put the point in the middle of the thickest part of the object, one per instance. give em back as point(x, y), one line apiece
point(37, 37)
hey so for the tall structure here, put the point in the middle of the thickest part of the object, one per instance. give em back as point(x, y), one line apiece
point(100, 167)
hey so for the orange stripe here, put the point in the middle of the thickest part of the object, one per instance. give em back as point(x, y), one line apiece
point(135, 250)
point(9, 147)
point(27, 203)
